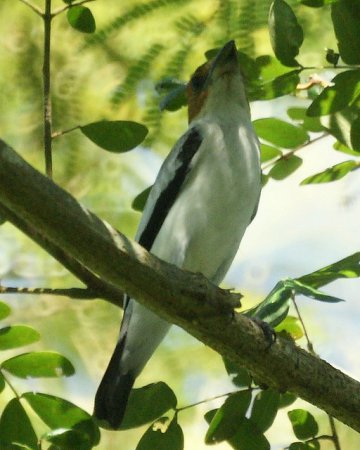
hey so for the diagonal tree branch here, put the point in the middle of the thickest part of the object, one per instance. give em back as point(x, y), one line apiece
point(180, 297)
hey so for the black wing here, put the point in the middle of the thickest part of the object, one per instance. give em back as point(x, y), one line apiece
point(171, 188)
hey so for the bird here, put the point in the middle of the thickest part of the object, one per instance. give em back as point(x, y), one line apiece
point(205, 195)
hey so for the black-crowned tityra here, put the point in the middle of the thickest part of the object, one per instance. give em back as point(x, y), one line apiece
point(203, 199)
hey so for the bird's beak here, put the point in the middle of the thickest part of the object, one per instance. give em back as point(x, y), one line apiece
point(226, 61)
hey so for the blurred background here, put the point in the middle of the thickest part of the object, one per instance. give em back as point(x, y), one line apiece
point(112, 75)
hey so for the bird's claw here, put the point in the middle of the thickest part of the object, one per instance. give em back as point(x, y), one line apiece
point(269, 333)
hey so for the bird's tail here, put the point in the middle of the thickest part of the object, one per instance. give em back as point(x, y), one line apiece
point(114, 390)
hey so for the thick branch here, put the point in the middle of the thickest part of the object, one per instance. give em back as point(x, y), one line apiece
point(183, 298)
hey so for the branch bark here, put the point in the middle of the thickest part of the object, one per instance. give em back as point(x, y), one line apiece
point(180, 297)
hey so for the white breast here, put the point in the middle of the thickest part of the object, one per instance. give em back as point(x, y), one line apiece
point(204, 227)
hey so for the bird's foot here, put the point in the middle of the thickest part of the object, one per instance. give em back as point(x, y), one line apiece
point(269, 333)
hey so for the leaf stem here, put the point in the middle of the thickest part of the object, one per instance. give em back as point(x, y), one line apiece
point(65, 8)
point(192, 405)
point(17, 395)
point(35, 8)
point(291, 152)
point(62, 132)
point(47, 17)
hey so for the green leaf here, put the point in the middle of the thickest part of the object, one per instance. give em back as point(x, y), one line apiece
point(58, 413)
point(282, 85)
point(348, 267)
point(115, 136)
point(65, 439)
point(249, 66)
point(209, 415)
point(292, 326)
point(313, 124)
point(332, 56)
point(173, 93)
point(156, 439)
point(264, 179)
point(313, 445)
point(268, 152)
point(286, 35)
point(16, 428)
point(39, 364)
point(339, 124)
point(174, 100)
point(355, 134)
point(81, 18)
point(227, 419)
point(300, 288)
point(280, 133)
point(286, 399)
point(303, 423)
point(274, 308)
point(332, 173)
point(296, 113)
point(147, 404)
point(139, 201)
point(17, 336)
point(5, 310)
point(265, 408)
point(239, 375)
point(309, 123)
point(249, 437)
point(2, 382)
point(345, 15)
point(16, 446)
point(345, 91)
point(270, 68)
point(317, 3)
point(285, 167)
point(344, 149)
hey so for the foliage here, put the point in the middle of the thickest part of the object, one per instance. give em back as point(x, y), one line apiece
point(247, 413)
point(66, 422)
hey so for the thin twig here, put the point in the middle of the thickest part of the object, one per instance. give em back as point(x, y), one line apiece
point(47, 89)
point(35, 8)
point(290, 153)
point(64, 8)
point(10, 384)
point(95, 284)
point(75, 293)
point(309, 343)
point(335, 437)
point(340, 67)
point(209, 399)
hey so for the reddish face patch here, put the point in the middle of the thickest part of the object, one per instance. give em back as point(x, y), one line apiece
point(195, 91)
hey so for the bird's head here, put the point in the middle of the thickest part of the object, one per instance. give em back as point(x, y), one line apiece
point(216, 84)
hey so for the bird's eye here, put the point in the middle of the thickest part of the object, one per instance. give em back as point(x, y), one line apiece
point(197, 82)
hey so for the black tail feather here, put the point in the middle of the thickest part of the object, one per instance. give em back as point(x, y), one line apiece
point(114, 390)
